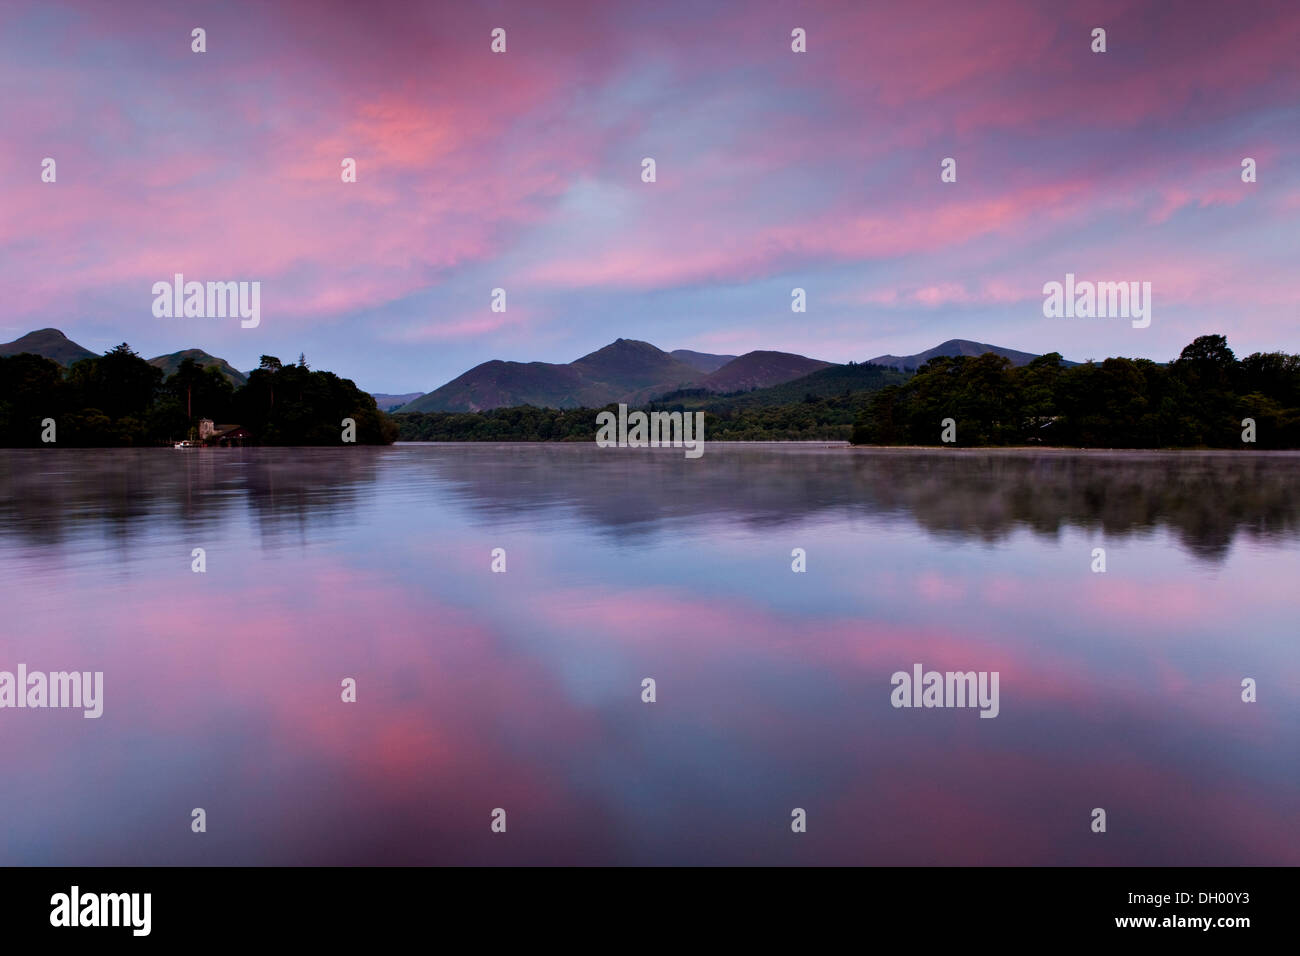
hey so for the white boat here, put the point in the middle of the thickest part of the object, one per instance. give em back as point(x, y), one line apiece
point(187, 444)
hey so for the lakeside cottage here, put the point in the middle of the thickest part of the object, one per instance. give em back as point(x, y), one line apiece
point(211, 433)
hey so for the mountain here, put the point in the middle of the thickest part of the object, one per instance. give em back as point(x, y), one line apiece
point(621, 368)
point(760, 370)
point(703, 361)
point(388, 403)
point(626, 365)
point(952, 348)
point(497, 383)
point(638, 373)
point(170, 363)
point(51, 343)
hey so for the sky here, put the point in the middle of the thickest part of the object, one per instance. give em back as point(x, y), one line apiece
point(522, 170)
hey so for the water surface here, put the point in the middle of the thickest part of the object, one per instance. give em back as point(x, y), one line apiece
point(522, 690)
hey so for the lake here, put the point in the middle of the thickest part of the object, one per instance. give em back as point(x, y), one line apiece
point(522, 690)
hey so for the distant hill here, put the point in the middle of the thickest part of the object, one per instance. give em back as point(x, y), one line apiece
point(626, 365)
point(702, 361)
point(760, 370)
point(638, 373)
point(170, 363)
point(952, 348)
point(388, 403)
point(494, 384)
point(51, 343)
point(607, 375)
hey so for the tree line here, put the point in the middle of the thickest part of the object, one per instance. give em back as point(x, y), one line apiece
point(119, 399)
point(1202, 399)
point(813, 419)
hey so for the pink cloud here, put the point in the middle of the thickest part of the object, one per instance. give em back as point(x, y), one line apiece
point(771, 163)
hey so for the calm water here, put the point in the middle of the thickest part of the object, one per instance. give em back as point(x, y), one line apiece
point(523, 690)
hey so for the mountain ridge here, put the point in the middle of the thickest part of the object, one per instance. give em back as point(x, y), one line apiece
point(170, 362)
point(761, 369)
point(636, 373)
point(53, 344)
point(706, 362)
point(625, 370)
point(953, 348)
point(48, 343)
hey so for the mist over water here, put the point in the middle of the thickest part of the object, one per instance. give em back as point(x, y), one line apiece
point(522, 690)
